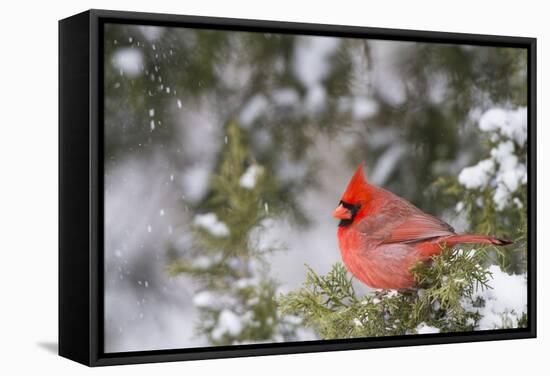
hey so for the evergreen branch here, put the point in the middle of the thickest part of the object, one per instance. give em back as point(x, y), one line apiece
point(330, 306)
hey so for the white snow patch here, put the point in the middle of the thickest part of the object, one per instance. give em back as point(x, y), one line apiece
point(232, 72)
point(249, 178)
point(285, 97)
point(503, 171)
point(518, 203)
point(151, 33)
point(129, 61)
point(437, 88)
point(510, 123)
point(244, 283)
point(387, 74)
point(228, 323)
point(311, 65)
point(293, 319)
point(507, 298)
point(511, 174)
point(315, 97)
point(311, 57)
point(386, 164)
point(210, 222)
point(202, 262)
point(364, 108)
point(253, 109)
point(195, 181)
point(205, 299)
point(504, 155)
point(424, 328)
point(477, 176)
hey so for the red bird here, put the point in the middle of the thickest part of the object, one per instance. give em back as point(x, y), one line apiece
point(381, 235)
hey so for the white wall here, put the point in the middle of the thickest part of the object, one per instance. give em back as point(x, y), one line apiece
point(28, 199)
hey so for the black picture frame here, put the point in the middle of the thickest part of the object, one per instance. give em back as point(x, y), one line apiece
point(81, 182)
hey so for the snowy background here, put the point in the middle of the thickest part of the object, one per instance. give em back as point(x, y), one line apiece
point(314, 108)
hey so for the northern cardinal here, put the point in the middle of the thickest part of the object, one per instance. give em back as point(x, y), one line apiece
point(381, 235)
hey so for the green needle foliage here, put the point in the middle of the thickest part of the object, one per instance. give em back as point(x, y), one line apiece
point(329, 304)
point(236, 298)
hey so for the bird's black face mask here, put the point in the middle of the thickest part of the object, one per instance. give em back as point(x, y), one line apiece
point(353, 209)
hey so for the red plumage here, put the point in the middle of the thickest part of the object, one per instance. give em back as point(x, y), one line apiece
point(381, 235)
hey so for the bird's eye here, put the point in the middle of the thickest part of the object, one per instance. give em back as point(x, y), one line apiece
point(350, 207)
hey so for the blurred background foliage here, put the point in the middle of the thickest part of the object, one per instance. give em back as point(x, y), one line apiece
point(409, 110)
point(428, 113)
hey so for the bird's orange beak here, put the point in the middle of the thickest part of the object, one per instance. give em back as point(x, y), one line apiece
point(341, 212)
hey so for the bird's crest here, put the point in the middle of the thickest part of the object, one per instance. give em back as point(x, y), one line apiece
point(358, 188)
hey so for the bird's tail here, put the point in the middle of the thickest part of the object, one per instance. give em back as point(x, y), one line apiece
point(477, 239)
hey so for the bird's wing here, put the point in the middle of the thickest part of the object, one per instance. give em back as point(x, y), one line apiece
point(418, 227)
point(399, 221)
point(376, 227)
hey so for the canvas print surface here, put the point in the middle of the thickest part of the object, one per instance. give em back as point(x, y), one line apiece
point(263, 188)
